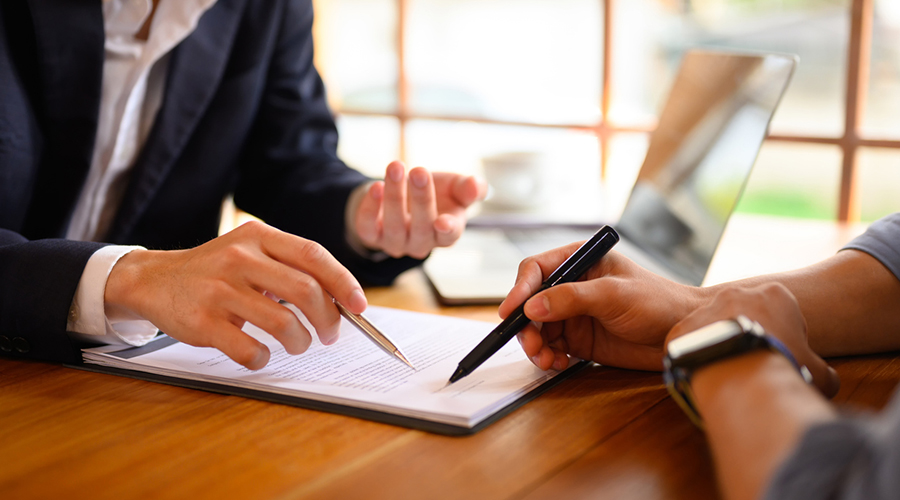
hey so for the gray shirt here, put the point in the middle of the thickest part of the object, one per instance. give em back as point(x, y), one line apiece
point(854, 457)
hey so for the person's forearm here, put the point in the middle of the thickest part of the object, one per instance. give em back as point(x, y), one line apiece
point(850, 301)
point(755, 409)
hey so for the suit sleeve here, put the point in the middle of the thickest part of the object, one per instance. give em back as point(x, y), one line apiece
point(39, 279)
point(291, 176)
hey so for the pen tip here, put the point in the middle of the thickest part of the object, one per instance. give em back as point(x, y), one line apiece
point(403, 358)
point(458, 374)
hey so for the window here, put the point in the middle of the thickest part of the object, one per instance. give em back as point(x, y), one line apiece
point(444, 83)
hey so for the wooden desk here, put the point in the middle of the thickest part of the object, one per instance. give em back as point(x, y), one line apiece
point(605, 433)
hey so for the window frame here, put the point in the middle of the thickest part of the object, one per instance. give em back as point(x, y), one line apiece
point(850, 142)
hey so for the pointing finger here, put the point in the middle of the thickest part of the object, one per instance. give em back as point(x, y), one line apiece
point(311, 258)
point(423, 212)
point(394, 232)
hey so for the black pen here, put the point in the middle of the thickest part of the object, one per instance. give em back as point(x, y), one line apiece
point(577, 264)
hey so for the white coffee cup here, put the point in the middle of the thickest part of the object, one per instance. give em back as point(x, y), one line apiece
point(516, 179)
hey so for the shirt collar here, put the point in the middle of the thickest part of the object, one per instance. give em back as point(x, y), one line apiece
point(125, 17)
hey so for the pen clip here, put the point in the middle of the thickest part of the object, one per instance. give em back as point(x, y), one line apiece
point(578, 263)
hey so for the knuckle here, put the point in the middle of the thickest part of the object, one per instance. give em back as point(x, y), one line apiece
point(730, 295)
point(369, 238)
point(777, 290)
point(394, 194)
point(312, 251)
point(304, 287)
point(217, 291)
point(245, 355)
point(396, 227)
point(571, 297)
point(195, 324)
point(394, 251)
point(210, 295)
point(284, 321)
point(336, 323)
point(395, 239)
point(420, 253)
point(572, 293)
point(253, 227)
point(234, 256)
point(525, 265)
point(421, 197)
point(368, 233)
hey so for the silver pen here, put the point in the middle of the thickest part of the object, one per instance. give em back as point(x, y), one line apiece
point(371, 331)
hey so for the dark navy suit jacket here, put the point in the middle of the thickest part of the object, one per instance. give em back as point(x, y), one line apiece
point(244, 113)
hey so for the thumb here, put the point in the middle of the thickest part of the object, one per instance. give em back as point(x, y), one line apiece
point(590, 298)
point(468, 190)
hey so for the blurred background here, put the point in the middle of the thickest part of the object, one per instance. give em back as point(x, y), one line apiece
point(445, 83)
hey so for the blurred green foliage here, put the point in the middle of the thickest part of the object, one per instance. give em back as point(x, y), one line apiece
point(786, 203)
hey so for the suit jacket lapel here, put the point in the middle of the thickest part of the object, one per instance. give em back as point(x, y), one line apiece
point(69, 43)
point(195, 69)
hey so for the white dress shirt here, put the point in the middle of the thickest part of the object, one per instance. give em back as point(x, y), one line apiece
point(134, 74)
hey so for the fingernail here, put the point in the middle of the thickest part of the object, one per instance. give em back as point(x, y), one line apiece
point(536, 359)
point(419, 178)
point(377, 191)
point(519, 339)
point(539, 308)
point(330, 341)
point(262, 357)
point(358, 301)
point(395, 174)
point(558, 364)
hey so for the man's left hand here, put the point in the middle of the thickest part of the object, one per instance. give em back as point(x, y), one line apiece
point(411, 214)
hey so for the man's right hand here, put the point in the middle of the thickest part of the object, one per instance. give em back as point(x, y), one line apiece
point(204, 295)
point(617, 315)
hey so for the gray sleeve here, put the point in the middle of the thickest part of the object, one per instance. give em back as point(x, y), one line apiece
point(882, 241)
point(851, 458)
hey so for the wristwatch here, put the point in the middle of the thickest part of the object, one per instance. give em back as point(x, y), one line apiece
point(711, 343)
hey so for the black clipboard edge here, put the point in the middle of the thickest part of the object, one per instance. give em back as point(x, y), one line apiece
point(362, 413)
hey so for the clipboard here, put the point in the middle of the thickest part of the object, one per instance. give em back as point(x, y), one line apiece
point(412, 400)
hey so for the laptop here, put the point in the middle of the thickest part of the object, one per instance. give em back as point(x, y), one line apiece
point(697, 164)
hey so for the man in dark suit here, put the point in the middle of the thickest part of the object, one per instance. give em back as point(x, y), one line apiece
point(237, 108)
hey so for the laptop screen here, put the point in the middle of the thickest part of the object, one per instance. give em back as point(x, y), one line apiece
point(701, 154)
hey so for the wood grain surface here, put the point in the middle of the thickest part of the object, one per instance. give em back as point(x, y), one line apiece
point(604, 433)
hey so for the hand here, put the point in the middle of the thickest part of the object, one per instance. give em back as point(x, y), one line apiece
point(203, 296)
point(617, 315)
point(775, 308)
point(411, 215)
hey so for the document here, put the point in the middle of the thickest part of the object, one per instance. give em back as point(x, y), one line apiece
point(354, 376)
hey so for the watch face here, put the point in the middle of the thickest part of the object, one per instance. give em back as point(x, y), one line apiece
point(703, 338)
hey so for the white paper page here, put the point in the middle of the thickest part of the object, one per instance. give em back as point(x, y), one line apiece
point(355, 372)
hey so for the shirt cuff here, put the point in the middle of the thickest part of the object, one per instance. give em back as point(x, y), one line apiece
point(87, 316)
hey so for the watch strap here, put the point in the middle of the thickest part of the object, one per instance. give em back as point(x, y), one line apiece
point(677, 376)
